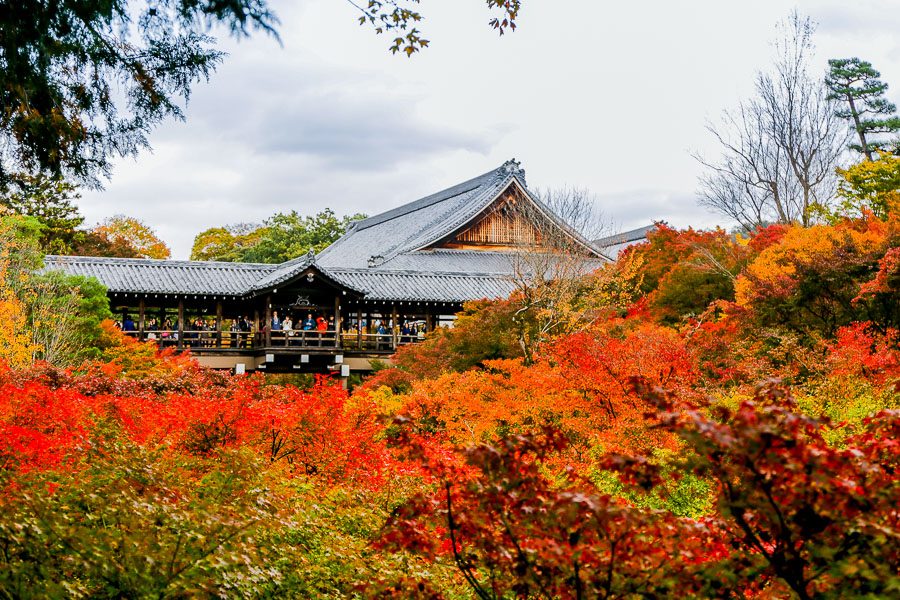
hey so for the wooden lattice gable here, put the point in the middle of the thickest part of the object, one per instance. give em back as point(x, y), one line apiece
point(514, 221)
point(504, 225)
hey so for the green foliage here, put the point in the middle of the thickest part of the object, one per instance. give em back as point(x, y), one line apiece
point(131, 526)
point(680, 493)
point(50, 200)
point(280, 238)
point(484, 330)
point(63, 312)
point(326, 550)
point(228, 244)
point(90, 310)
point(82, 81)
point(287, 236)
point(855, 84)
point(872, 185)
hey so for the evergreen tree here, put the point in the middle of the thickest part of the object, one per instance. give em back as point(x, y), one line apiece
point(856, 84)
point(84, 80)
point(51, 201)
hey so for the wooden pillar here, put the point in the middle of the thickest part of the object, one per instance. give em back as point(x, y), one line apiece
point(358, 327)
point(141, 307)
point(256, 328)
point(337, 321)
point(428, 321)
point(394, 328)
point(181, 322)
point(219, 314)
point(268, 324)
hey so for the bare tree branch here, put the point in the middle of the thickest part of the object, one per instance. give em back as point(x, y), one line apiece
point(781, 147)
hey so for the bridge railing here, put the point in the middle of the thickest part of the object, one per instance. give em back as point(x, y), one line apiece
point(205, 339)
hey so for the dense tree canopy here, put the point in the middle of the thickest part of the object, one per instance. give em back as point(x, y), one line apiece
point(57, 317)
point(714, 416)
point(130, 234)
point(281, 237)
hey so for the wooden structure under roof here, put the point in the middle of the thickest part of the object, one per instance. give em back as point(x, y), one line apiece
point(414, 265)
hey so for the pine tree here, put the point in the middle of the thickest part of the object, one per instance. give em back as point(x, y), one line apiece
point(856, 83)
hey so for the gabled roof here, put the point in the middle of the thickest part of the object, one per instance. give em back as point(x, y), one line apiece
point(291, 269)
point(390, 256)
point(379, 239)
point(411, 226)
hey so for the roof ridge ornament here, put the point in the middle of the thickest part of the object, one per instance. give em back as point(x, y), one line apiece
point(375, 261)
point(513, 167)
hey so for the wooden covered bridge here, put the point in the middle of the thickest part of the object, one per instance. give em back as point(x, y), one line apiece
point(390, 279)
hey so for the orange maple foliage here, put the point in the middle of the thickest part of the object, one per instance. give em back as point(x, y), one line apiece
point(599, 364)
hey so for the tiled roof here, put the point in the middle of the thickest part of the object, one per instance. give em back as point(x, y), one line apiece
point(624, 237)
point(142, 275)
point(452, 261)
point(424, 287)
point(384, 257)
point(419, 223)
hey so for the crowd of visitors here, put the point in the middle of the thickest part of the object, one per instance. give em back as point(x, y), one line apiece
point(318, 324)
point(239, 332)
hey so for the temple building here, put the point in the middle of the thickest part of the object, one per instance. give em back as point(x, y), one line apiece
point(389, 279)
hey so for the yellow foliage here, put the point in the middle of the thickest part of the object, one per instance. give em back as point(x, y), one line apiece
point(872, 185)
point(16, 347)
point(774, 271)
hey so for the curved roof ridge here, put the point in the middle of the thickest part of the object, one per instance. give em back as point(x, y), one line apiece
point(426, 201)
point(477, 274)
point(453, 221)
point(156, 261)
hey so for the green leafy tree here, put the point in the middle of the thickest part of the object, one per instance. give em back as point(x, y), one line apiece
point(871, 185)
point(50, 200)
point(281, 237)
point(287, 236)
point(84, 80)
point(62, 313)
point(855, 84)
point(227, 243)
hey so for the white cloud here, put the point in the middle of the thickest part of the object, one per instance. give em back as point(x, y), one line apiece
point(605, 95)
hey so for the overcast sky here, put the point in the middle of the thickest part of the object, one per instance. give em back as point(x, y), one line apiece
point(601, 94)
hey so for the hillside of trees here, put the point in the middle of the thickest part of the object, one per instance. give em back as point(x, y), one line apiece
point(712, 415)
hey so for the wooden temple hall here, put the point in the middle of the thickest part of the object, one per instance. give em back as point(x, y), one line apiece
point(388, 281)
